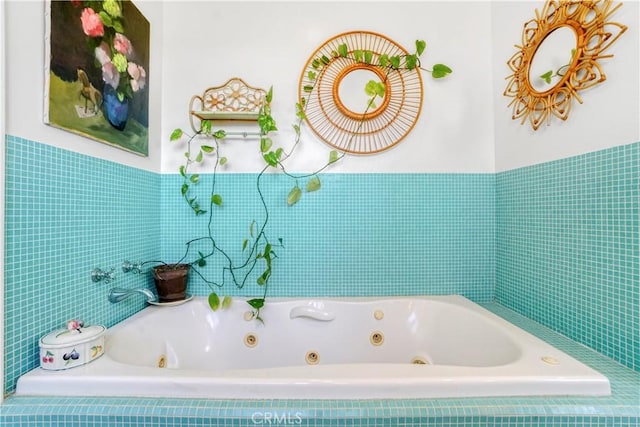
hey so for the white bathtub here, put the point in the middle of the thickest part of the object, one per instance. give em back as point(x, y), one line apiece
point(465, 351)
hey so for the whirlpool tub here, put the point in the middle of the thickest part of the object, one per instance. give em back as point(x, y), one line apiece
point(342, 348)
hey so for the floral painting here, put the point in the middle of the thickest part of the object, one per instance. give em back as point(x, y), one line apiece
point(98, 71)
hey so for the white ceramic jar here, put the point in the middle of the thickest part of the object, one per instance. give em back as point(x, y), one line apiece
point(65, 348)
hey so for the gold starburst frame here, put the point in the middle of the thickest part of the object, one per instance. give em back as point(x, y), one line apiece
point(594, 34)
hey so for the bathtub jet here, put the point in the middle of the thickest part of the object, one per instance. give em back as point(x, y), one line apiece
point(322, 348)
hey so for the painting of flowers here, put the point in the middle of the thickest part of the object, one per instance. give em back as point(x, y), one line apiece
point(98, 71)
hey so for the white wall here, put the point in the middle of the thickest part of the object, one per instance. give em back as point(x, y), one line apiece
point(465, 124)
point(268, 43)
point(25, 27)
point(609, 116)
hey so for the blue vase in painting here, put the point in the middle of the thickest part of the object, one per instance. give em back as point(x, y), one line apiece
point(116, 111)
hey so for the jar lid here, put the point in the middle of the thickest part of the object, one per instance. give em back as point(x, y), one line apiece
point(65, 337)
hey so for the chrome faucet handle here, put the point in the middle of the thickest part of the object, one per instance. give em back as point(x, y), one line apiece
point(128, 266)
point(98, 275)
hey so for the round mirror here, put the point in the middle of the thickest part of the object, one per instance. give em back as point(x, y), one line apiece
point(351, 92)
point(552, 58)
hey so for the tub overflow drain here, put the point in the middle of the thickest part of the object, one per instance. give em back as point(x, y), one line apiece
point(376, 338)
point(312, 358)
point(419, 361)
point(250, 340)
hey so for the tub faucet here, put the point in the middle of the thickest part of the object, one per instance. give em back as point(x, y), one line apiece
point(119, 294)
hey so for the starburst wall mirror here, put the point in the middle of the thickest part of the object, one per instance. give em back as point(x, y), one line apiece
point(559, 57)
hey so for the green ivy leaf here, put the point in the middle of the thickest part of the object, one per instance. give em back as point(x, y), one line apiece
point(194, 178)
point(383, 60)
point(313, 184)
point(256, 303)
point(266, 123)
point(222, 161)
point(547, 76)
point(201, 261)
point(267, 251)
point(380, 89)
point(214, 301)
point(296, 129)
point(264, 277)
point(245, 242)
point(357, 55)
point(251, 228)
point(311, 75)
point(333, 156)
point(207, 148)
point(420, 46)
point(265, 144)
point(395, 61)
point(307, 88)
point(205, 126)
point(342, 50)
point(294, 196)
point(183, 171)
point(411, 61)
point(219, 134)
point(271, 158)
point(440, 70)
point(176, 134)
point(216, 199)
point(199, 157)
point(368, 56)
point(269, 96)
point(226, 302)
point(370, 88)
point(184, 189)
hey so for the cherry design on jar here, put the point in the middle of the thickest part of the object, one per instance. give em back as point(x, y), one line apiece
point(48, 357)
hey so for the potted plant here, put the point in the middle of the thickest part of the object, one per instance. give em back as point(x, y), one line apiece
point(171, 281)
point(259, 251)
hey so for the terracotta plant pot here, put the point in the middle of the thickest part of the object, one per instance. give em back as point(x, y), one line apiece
point(171, 281)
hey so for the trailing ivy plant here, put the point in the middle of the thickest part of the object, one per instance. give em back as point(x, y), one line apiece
point(560, 72)
point(259, 252)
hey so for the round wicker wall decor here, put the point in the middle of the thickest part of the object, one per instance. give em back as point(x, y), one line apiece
point(336, 121)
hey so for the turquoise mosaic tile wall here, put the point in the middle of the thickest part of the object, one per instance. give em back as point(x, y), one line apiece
point(568, 248)
point(66, 214)
point(360, 235)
